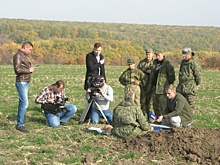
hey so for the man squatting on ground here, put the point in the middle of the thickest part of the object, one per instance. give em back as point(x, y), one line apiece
point(50, 95)
point(178, 111)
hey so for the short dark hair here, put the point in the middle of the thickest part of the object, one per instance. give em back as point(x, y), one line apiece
point(59, 83)
point(27, 44)
point(97, 45)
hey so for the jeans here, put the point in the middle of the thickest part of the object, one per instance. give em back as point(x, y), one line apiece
point(96, 115)
point(54, 120)
point(22, 88)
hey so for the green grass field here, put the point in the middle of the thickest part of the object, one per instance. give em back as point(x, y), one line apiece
point(69, 145)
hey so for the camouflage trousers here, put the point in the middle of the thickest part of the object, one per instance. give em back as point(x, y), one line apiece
point(191, 99)
point(146, 101)
point(136, 90)
point(159, 103)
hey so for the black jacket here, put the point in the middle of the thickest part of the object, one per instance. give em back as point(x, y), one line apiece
point(92, 67)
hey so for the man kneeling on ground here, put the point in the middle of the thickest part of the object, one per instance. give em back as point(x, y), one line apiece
point(52, 99)
point(178, 111)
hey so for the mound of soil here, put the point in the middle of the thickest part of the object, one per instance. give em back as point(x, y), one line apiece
point(198, 145)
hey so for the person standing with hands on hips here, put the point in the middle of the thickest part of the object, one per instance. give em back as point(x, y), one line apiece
point(23, 71)
point(94, 64)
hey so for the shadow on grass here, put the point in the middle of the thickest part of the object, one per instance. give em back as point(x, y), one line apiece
point(37, 120)
point(4, 125)
point(35, 109)
point(32, 119)
point(12, 117)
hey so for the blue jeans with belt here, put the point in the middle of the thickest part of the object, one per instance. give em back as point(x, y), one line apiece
point(54, 120)
point(22, 88)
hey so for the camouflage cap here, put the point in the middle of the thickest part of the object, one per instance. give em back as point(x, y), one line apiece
point(158, 51)
point(187, 51)
point(130, 61)
point(149, 50)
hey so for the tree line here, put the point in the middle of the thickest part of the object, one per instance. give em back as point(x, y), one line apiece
point(61, 42)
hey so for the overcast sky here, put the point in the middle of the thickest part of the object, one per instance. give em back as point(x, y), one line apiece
point(160, 12)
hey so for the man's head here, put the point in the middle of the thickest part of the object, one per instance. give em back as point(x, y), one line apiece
point(97, 48)
point(149, 54)
point(129, 96)
point(159, 55)
point(171, 91)
point(102, 79)
point(187, 54)
point(131, 63)
point(58, 86)
point(27, 47)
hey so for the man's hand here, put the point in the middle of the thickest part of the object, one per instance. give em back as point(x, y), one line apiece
point(137, 82)
point(32, 69)
point(101, 93)
point(89, 90)
point(159, 119)
point(102, 61)
point(148, 71)
point(50, 101)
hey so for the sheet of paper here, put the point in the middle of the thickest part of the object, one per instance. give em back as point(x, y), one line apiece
point(161, 126)
point(96, 129)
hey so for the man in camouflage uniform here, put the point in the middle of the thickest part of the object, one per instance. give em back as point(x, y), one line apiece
point(128, 119)
point(132, 78)
point(162, 75)
point(189, 77)
point(146, 66)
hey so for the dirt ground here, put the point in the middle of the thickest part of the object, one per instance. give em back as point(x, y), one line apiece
point(176, 146)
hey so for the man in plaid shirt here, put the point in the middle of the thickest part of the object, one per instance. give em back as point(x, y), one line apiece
point(52, 94)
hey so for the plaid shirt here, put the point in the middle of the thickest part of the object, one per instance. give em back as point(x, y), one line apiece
point(49, 93)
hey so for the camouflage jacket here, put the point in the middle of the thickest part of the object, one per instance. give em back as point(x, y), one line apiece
point(189, 77)
point(166, 76)
point(179, 107)
point(128, 120)
point(146, 67)
point(129, 76)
